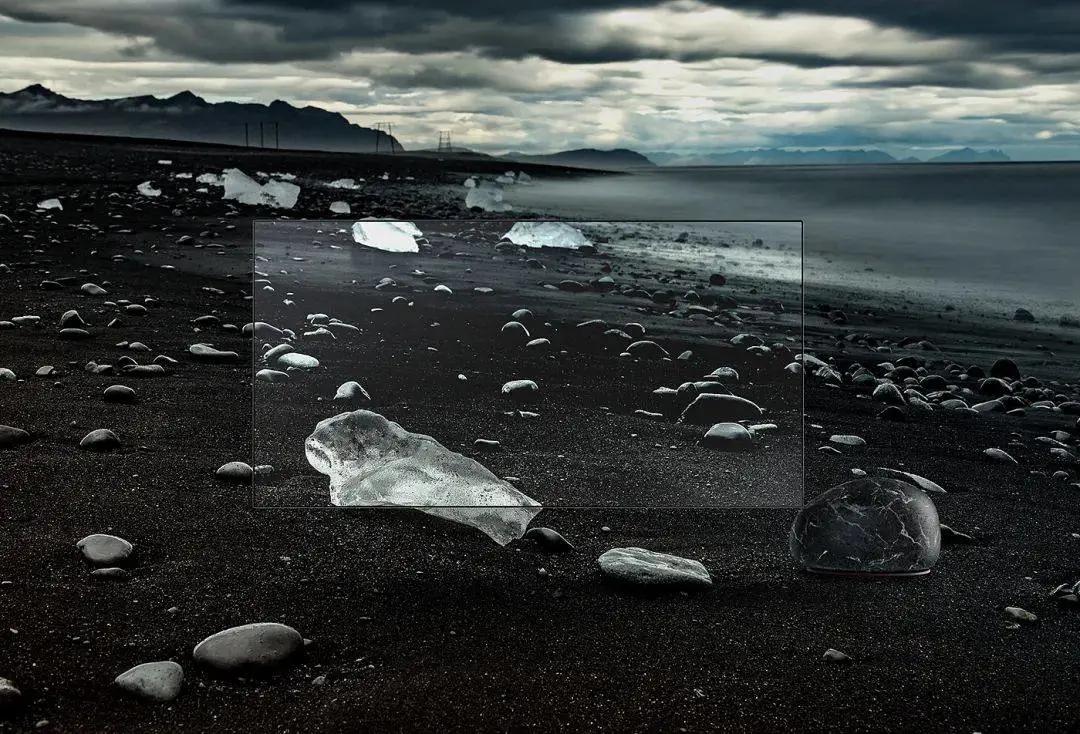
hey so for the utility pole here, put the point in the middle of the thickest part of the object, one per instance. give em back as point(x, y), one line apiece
point(445, 146)
point(381, 129)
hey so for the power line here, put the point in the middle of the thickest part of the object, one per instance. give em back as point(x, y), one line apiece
point(387, 129)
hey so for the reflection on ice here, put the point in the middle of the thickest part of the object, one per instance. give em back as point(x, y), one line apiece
point(374, 462)
point(547, 234)
point(387, 236)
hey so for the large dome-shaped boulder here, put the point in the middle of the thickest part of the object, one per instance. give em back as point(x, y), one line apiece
point(869, 525)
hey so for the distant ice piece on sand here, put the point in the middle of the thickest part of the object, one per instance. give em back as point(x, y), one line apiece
point(374, 462)
point(213, 179)
point(547, 234)
point(50, 204)
point(488, 198)
point(343, 183)
point(147, 189)
point(387, 236)
point(246, 190)
point(340, 207)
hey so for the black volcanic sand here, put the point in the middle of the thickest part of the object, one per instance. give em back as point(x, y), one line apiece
point(586, 447)
point(418, 624)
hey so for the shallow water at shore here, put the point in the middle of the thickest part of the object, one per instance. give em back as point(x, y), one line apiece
point(992, 237)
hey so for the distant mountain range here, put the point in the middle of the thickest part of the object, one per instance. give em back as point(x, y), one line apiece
point(617, 159)
point(186, 116)
point(969, 155)
point(781, 157)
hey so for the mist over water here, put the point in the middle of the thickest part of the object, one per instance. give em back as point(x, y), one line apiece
point(992, 236)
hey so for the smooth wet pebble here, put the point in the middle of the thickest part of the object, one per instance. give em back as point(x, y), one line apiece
point(234, 471)
point(101, 439)
point(158, 681)
point(646, 568)
point(249, 648)
point(105, 550)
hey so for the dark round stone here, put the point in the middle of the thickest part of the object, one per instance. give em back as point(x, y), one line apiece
point(1004, 368)
point(869, 525)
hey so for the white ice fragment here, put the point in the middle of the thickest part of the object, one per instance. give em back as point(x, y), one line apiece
point(388, 236)
point(374, 462)
point(470, 182)
point(164, 162)
point(343, 183)
point(340, 207)
point(546, 234)
point(182, 175)
point(214, 179)
point(506, 178)
point(488, 198)
point(147, 189)
point(244, 189)
point(50, 204)
point(524, 178)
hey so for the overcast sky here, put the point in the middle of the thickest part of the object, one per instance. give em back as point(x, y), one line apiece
point(903, 75)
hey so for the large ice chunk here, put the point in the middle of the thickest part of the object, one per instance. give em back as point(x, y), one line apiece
point(246, 190)
point(488, 198)
point(374, 462)
point(387, 236)
point(546, 234)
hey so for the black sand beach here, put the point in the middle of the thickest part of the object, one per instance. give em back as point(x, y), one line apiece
point(419, 624)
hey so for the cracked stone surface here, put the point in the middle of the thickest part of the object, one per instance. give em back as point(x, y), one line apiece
point(869, 525)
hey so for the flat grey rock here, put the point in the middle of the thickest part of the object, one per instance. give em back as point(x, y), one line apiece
point(249, 648)
point(10, 696)
point(119, 394)
point(549, 540)
point(847, 440)
point(297, 361)
point(647, 349)
point(728, 437)
point(100, 440)
point(710, 408)
point(645, 568)
point(71, 319)
point(11, 436)
point(521, 391)
point(158, 681)
point(105, 550)
point(234, 471)
point(999, 457)
point(905, 476)
point(207, 353)
point(352, 391)
point(266, 375)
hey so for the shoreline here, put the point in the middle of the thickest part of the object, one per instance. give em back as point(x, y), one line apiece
point(405, 611)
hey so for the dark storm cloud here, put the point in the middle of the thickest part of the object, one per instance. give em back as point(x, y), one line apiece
point(281, 30)
point(1028, 25)
point(683, 73)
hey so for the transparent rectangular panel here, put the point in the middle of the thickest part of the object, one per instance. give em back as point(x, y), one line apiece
point(505, 362)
